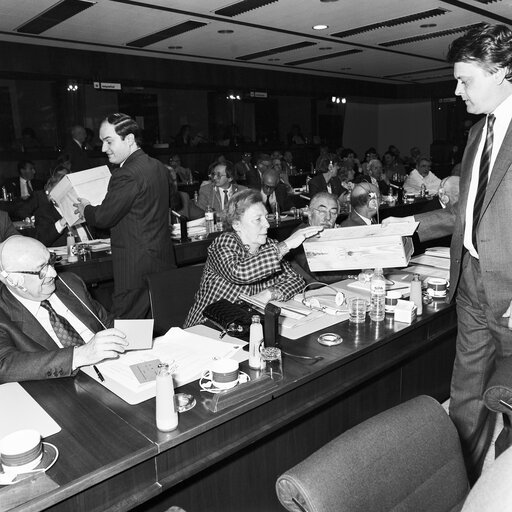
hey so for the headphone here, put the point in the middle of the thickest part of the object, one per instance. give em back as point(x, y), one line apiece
point(373, 202)
point(16, 281)
point(313, 302)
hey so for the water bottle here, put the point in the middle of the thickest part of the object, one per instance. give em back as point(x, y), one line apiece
point(166, 413)
point(209, 216)
point(308, 179)
point(277, 214)
point(423, 190)
point(196, 197)
point(255, 344)
point(377, 296)
point(416, 295)
point(70, 243)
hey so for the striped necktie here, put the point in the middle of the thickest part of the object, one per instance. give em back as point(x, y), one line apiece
point(63, 329)
point(226, 199)
point(483, 176)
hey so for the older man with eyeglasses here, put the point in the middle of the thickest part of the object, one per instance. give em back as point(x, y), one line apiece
point(324, 209)
point(49, 324)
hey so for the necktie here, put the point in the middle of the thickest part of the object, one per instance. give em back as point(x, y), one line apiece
point(483, 175)
point(268, 205)
point(62, 328)
point(29, 188)
point(226, 198)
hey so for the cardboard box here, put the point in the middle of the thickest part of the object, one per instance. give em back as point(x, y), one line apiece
point(90, 184)
point(361, 247)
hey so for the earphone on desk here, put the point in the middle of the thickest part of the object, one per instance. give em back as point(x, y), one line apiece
point(313, 302)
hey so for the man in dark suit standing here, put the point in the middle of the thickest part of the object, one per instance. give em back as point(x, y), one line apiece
point(77, 150)
point(48, 328)
point(135, 210)
point(480, 273)
point(364, 200)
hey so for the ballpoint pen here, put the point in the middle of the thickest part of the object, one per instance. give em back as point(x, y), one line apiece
point(98, 373)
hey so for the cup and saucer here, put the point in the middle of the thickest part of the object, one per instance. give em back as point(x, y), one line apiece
point(222, 375)
point(23, 454)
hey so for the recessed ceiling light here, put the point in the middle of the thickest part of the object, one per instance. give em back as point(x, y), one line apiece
point(175, 47)
point(320, 27)
point(428, 25)
point(273, 60)
point(225, 31)
point(326, 1)
point(323, 48)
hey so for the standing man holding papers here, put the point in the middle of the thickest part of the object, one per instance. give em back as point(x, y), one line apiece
point(135, 210)
point(481, 270)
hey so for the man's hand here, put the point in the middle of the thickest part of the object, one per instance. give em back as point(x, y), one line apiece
point(297, 238)
point(508, 315)
point(107, 344)
point(395, 220)
point(80, 206)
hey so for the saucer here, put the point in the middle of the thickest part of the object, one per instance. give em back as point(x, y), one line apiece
point(49, 456)
point(206, 384)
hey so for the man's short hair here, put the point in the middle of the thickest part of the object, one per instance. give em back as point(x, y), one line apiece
point(263, 157)
point(489, 45)
point(361, 194)
point(124, 125)
point(423, 158)
point(322, 196)
point(230, 169)
point(23, 163)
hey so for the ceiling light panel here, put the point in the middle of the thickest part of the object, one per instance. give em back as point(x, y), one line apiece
point(167, 33)
point(278, 50)
point(242, 7)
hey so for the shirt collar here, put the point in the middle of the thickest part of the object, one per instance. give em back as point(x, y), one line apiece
point(32, 305)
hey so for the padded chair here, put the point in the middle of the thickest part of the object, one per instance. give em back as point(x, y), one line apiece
point(405, 459)
point(172, 294)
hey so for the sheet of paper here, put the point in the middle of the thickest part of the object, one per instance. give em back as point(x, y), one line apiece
point(18, 410)
point(139, 333)
point(431, 261)
point(440, 252)
point(425, 271)
point(90, 184)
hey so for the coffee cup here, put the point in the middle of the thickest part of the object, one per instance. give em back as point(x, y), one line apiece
point(21, 450)
point(223, 373)
point(437, 286)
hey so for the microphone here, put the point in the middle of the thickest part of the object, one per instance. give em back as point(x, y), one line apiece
point(81, 301)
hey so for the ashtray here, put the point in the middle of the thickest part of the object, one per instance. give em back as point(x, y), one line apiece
point(206, 384)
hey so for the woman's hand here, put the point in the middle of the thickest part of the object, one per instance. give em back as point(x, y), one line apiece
point(297, 238)
point(263, 296)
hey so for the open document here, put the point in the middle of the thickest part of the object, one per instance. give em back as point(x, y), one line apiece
point(132, 376)
point(90, 184)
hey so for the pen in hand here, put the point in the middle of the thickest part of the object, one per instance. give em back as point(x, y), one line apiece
point(98, 373)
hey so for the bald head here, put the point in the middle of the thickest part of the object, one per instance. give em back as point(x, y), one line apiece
point(78, 133)
point(365, 199)
point(449, 190)
point(269, 181)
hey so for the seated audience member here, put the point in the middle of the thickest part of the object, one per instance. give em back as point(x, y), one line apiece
point(63, 160)
point(327, 180)
point(324, 153)
point(278, 167)
point(374, 175)
point(440, 222)
point(218, 193)
point(422, 175)
point(253, 176)
point(288, 165)
point(7, 228)
point(323, 211)
point(393, 169)
point(45, 330)
point(274, 191)
point(364, 200)
point(410, 161)
point(23, 187)
point(242, 167)
point(244, 260)
point(76, 148)
point(184, 174)
point(183, 137)
point(349, 161)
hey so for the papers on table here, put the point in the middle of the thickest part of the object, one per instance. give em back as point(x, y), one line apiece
point(191, 353)
point(195, 228)
point(90, 184)
point(434, 263)
point(19, 411)
point(100, 244)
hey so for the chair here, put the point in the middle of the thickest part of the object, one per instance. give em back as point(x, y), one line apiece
point(172, 294)
point(405, 459)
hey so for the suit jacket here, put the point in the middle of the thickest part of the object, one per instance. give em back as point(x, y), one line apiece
point(14, 188)
point(210, 196)
point(27, 352)
point(46, 215)
point(284, 201)
point(352, 220)
point(494, 231)
point(241, 170)
point(318, 184)
point(78, 156)
point(136, 210)
point(436, 223)
point(7, 228)
point(253, 179)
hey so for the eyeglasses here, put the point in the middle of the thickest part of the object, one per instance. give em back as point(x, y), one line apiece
point(218, 175)
point(42, 272)
point(324, 212)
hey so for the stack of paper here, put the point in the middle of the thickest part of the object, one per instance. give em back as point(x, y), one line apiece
point(195, 228)
point(434, 263)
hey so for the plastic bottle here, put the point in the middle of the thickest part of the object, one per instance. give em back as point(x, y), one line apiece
point(255, 343)
point(209, 216)
point(196, 197)
point(423, 190)
point(166, 414)
point(276, 212)
point(416, 295)
point(377, 296)
point(308, 179)
point(70, 243)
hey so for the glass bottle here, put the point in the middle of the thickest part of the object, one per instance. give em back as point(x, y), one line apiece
point(166, 413)
point(255, 343)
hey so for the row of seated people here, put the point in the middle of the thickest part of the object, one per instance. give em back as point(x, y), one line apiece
point(241, 260)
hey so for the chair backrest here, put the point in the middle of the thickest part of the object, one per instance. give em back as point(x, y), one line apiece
point(407, 458)
point(172, 294)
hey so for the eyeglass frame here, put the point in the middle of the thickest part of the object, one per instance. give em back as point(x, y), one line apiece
point(331, 212)
point(42, 272)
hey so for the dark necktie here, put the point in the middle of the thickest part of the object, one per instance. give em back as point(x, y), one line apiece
point(268, 205)
point(483, 176)
point(29, 188)
point(226, 199)
point(63, 329)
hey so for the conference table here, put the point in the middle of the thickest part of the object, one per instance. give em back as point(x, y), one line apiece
point(113, 458)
